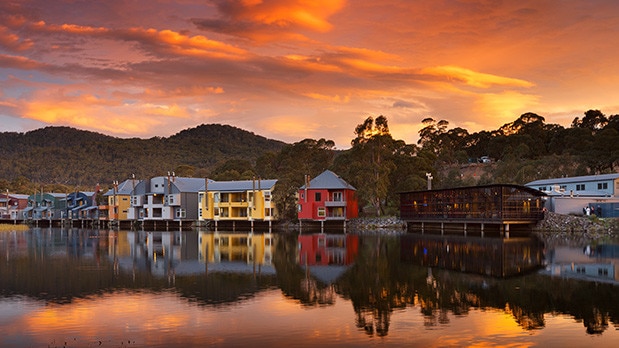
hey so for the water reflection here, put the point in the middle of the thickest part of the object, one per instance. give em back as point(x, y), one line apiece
point(314, 286)
point(497, 257)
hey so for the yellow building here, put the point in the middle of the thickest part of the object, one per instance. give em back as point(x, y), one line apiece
point(243, 200)
point(235, 247)
point(119, 200)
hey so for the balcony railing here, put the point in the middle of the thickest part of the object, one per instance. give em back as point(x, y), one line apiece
point(335, 203)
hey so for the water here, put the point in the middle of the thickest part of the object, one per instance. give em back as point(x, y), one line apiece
point(85, 288)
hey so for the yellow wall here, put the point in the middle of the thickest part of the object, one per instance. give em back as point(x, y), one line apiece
point(123, 205)
point(250, 248)
point(236, 206)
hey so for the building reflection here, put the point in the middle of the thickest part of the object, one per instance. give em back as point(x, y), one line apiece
point(497, 257)
point(377, 274)
point(595, 263)
point(169, 254)
point(324, 258)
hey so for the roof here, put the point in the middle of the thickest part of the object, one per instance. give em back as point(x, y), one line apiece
point(328, 180)
point(530, 190)
point(573, 179)
point(189, 184)
point(124, 188)
point(241, 185)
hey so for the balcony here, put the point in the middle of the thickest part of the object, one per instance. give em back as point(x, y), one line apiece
point(335, 203)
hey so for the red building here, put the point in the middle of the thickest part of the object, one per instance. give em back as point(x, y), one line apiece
point(11, 205)
point(327, 197)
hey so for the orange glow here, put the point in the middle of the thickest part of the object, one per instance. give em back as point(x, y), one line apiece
point(473, 78)
point(317, 66)
point(309, 14)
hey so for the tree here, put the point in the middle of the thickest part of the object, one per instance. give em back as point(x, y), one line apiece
point(370, 162)
point(291, 165)
point(593, 120)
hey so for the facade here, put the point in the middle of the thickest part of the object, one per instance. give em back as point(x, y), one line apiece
point(81, 205)
point(499, 203)
point(45, 206)
point(118, 200)
point(242, 200)
point(11, 205)
point(166, 198)
point(573, 195)
point(327, 197)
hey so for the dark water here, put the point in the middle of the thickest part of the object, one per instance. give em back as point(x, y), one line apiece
point(85, 288)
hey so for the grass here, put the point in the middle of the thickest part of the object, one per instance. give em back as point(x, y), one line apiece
point(10, 227)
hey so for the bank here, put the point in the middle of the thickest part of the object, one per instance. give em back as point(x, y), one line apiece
point(576, 230)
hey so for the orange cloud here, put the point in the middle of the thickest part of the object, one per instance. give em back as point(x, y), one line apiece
point(473, 78)
point(272, 20)
point(285, 13)
point(12, 41)
point(18, 62)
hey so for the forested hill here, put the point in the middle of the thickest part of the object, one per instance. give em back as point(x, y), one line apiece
point(72, 157)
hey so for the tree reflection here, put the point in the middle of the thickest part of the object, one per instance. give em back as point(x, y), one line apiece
point(61, 266)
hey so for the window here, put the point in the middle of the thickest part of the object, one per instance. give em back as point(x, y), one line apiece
point(337, 197)
point(317, 197)
point(299, 208)
point(580, 187)
point(267, 196)
point(321, 211)
point(603, 186)
point(267, 212)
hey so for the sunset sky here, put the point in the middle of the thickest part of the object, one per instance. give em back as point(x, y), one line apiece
point(296, 69)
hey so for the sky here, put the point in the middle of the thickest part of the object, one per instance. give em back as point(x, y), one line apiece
point(296, 69)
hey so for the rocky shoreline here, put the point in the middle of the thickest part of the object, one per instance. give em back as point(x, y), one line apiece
point(576, 230)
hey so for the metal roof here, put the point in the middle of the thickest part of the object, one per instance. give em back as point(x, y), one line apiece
point(124, 188)
point(330, 181)
point(188, 184)
point(574, 179)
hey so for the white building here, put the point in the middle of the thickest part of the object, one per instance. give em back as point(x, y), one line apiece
point(572, 194)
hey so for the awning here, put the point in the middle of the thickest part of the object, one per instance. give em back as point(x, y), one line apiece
point(28, 209)
point(91, 208)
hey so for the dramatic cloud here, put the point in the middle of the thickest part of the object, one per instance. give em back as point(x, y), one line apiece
point(303, 69)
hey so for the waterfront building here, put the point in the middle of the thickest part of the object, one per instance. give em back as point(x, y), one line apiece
point(118, 201)
point(473, 208)
point(166, 198)
point(572, 195)
point(327, 197)
point(12, 204)
point(81, 205)
point(48, 206)
point(239, 200)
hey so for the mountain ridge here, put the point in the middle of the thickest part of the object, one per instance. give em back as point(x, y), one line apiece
point(71, 156)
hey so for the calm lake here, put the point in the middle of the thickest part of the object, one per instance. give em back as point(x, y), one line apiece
point(96, 288)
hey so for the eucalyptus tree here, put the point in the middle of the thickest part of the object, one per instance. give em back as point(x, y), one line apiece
point(369, 163)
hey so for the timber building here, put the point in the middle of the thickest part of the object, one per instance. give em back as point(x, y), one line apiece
point(476, 210)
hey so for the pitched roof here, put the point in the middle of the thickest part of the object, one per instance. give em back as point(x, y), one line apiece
point(573, 179)
point(189, 184)
point(240, 185)
point(330, 181)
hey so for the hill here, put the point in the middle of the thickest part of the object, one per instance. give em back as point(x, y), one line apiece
point(69, 156)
